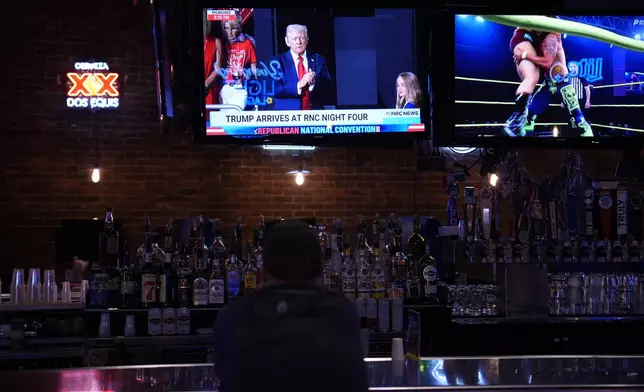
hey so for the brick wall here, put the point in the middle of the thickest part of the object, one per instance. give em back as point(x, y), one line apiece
point(48, 151)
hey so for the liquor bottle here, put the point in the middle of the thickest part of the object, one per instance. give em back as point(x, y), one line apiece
point(259, 249)
point(148, 272)
point(234, 270)
point(216, 283)
point(168, 276)
point(200, 252)
point(337, 243)
point(108, 260)
point(250, 270)
point(427, 266)
point(128, 281)
point(331, 277)
point(416, 242)
point(398, 279)
point(364, 268)
point(378, 279)
point(349, 282)
point(108, 242)
point(391, 241)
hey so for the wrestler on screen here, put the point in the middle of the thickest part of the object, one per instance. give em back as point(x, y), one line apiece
point(240, 58)
point(306, 81)
point(523, 41)
point(558, 80)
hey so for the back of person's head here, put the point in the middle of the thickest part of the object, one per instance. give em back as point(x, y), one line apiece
point(292, 252)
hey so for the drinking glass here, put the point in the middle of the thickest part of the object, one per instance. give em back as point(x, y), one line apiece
point(50, 290)
point(34, 287)
point(66, 293)
point(18, 287)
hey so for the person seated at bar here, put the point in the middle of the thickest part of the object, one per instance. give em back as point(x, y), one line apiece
point(292, 334)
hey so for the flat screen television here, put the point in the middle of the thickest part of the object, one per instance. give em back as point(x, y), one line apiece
point(311, 76)
point(573, 80)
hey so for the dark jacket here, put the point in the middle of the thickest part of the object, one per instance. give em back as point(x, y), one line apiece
point(286, 338)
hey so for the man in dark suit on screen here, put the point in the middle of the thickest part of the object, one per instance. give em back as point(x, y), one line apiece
point(306, 81)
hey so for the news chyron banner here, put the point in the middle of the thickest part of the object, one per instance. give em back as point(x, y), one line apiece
point(314, 122)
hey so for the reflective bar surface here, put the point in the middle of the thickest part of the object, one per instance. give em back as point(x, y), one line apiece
point(465, 374)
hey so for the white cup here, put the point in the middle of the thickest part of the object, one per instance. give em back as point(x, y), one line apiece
point(397, 349)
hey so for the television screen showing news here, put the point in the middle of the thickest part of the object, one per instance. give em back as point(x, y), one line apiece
point(310, 72)
point(548, 76)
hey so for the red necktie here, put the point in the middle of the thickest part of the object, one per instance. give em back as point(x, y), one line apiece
point(306, 94)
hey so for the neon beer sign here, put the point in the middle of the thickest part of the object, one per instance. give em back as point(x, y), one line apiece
point(92, 86)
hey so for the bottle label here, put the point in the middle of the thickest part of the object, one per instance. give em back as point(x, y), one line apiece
point(216, 291)
point(413, 289)
point(201, 263)
point(200, 297)
point(148, 257)
point(154, 322)
point(250, 281)
point(378, 283)
point(396, 291)
point(148, 285)
point(364, 283)
point(233, 284)
point(127, 287)
point(163, 286)
point(168, 257)
point(429, 274)
point(331, 281)
point(349, 283)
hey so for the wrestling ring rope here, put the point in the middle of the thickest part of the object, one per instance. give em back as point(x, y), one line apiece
point(494, 81)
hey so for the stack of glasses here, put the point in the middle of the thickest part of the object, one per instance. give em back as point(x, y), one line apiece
point(38, 292)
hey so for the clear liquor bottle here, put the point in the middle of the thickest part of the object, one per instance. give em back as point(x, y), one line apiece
point(168, 275)
point(148, 271)
point(364, 268)
point(349, 282)
point(234, 269)
point(200, 256)
point(259, 249)
point(330, 273)
point(216, 283)
point(378, 278)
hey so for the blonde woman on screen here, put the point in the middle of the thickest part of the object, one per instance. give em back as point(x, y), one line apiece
point(408, 95)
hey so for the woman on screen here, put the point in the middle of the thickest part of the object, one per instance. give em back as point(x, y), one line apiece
point(408, 93)
point(212, 55)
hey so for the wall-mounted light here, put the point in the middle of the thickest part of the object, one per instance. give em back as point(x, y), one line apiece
point(96, 175)
point(494, 179)
point(299, 175)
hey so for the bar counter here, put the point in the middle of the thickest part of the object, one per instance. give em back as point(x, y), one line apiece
point(499, 373)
